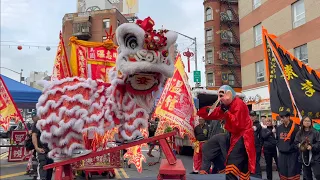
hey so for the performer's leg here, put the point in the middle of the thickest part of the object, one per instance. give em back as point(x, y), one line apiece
point(283, 166)
point(237, 163)
point(197, 158)
point(268, 157)
point(275, 157)
point(294, 166)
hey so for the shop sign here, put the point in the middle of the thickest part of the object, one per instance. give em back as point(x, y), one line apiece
point(17, 153)
point(250, 99)
point(262, 106)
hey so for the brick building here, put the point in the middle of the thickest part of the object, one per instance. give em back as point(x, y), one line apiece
point(222, 44)
point(91, 26)
point(296, 23)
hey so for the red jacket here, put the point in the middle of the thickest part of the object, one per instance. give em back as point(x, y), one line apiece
point(239, 124)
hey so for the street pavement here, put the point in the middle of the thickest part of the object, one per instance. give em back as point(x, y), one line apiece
point(16, 170)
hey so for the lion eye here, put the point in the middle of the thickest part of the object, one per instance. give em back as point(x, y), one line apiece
point(130, 41)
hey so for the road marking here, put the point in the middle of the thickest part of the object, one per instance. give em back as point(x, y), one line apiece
point(13, 175)
point(4, 155)
point(117, 174)
point(16, 164)
point(124, 173)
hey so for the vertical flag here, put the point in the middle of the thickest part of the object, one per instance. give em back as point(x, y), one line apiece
point(61, 67)
point(8, 108)
point(293, 85)
point(176, 108)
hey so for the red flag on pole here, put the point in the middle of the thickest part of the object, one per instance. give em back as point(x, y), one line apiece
point(61, 68)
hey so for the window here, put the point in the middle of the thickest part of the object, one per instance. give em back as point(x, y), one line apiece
point(258, 35)
point(260, 71)
point(209, 57)
point(210, 79)
point(106, 23)
point(208, 14)
point(231, 79)
point(230, 58)
point(104, 38)
point(256, 4)
point(301, 53)
point(298, 13)
point(209, 35)
point(229, 14)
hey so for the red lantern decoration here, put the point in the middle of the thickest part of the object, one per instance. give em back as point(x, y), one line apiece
point(19, 47)
point(188, 54)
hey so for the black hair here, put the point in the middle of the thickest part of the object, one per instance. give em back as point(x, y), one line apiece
point(301, 122)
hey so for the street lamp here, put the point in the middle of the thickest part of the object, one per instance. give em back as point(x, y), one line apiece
point(20, 73)
point(195, 51)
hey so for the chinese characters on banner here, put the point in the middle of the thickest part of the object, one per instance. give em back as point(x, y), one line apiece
point(91, 59)
point(7, 107)
point(17, 153)
point(303, 82)
point(175, 107)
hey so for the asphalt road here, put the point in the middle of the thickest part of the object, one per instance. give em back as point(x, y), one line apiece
point(16, 170)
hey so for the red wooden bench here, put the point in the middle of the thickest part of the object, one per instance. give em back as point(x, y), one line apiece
point(64, 169)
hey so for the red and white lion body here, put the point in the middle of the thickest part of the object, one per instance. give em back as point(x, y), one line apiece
point(71, 106)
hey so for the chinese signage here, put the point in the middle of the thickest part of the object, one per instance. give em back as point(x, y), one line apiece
point(91, 59)
point(176, 108)
point(288, 75)
point(197, 76)
point(17, 153)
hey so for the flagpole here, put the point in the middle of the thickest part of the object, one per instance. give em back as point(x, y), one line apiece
point(285, 78)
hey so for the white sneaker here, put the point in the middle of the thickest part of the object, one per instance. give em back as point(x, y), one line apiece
point(80, 152)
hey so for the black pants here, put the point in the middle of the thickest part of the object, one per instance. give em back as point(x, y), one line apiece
point(215, 150)
point(258, 167)
point(307, 171)
point(237, 162)
point(289, 167)
point(42, 161)
point(269, 155)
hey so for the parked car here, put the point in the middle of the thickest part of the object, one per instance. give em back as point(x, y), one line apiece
point(6, 134)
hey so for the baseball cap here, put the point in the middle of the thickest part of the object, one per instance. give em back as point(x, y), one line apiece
point(33, 114)
point(253, 113)
point(285, 114)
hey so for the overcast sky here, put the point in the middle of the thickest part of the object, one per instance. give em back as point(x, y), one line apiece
point(38, 22)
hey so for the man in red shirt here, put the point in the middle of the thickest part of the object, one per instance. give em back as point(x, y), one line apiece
point(241, 158)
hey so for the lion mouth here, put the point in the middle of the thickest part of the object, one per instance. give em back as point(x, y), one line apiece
point(143, 82)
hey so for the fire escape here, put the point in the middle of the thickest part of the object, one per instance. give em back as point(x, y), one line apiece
point(230, 42)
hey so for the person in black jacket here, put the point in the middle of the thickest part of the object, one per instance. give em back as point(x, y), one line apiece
point(308, 142)
point(289, 166)
point(258, 142)
point(268, 136)
point(201, 133)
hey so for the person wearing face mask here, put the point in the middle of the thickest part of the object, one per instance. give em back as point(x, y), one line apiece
point(289, 167)
point(241, 157)
point(268, 136)
point(308, 142)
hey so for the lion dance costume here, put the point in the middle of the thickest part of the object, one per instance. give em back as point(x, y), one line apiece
point(241, 157)
point(71, 106)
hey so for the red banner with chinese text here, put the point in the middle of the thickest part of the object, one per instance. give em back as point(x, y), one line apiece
point(8, 109)
point(176, 108)
point(17, 153)
point(92, 59)
point(61, 68)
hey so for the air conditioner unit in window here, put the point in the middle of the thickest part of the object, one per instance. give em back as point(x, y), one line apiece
point(210, 84)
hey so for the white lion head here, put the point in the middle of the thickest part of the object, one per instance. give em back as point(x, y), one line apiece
point(143, 55)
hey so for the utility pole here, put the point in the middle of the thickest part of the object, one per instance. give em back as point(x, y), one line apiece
point(195, 47)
